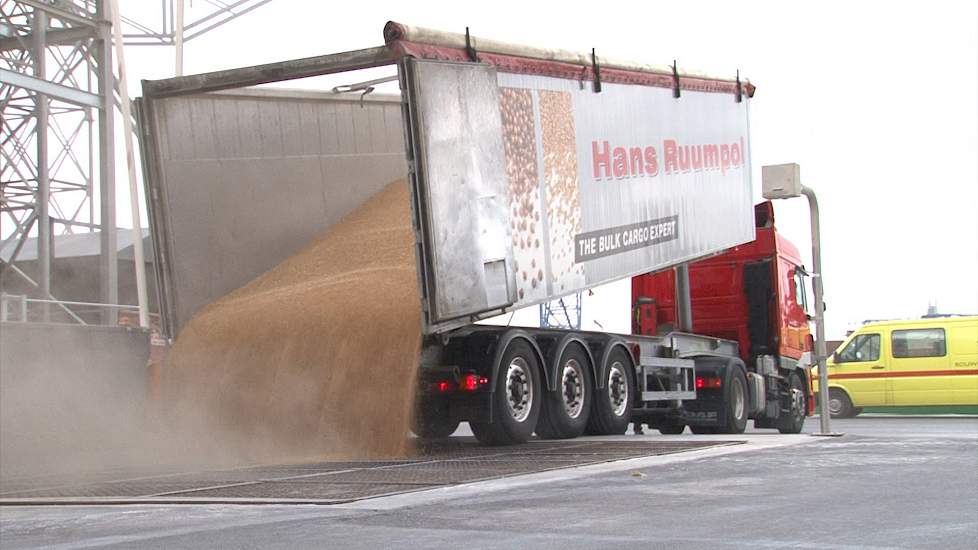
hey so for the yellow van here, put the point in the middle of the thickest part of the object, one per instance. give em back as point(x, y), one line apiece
point(909, 363)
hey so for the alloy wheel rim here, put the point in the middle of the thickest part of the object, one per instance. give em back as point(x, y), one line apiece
point(835, 405)
point(618, 388)
point(799, 403)
point(572, 388)
point(519, 391)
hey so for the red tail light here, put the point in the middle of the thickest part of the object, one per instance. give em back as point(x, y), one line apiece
point(443, 386)
point(708, 383)
point(472, 382)
point(468, 382)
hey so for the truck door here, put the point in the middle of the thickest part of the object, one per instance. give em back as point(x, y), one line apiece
point(795, 311)
point(860, 370)
point(919, 367)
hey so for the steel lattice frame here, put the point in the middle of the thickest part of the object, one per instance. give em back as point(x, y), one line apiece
point(162, 30)
point(49, 99)
point(57, 141)
point(562, 313)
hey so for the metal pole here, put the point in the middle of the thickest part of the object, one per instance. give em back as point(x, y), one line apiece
point(137, 233)
point(43, 196)
point(823, 376)
point(178, 38)
point(106, 132)
point(684, 307)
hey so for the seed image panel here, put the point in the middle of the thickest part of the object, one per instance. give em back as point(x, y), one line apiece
point(520, 145)
point(560, 169)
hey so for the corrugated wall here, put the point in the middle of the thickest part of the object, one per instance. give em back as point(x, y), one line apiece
point(247, 178)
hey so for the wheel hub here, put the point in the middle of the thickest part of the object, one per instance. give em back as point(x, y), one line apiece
point(618, 388)
point(519, 392)
point(572, 386)
point(835, 405)
point(797, 403)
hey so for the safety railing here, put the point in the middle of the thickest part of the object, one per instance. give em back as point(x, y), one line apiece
point(19, 308)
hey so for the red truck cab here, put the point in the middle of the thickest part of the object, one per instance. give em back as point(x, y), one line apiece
point(753, 294)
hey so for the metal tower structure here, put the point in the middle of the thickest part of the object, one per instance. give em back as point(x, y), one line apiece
point(562, 313)
point(58, 101)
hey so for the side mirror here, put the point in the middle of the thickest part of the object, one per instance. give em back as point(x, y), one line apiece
point(835, 357)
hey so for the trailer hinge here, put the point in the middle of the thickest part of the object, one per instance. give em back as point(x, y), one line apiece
point(675, 80)
point(469, 49)
point(597, 72)
point(740, 89)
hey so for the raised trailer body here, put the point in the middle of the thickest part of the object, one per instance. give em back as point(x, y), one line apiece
point(534, 174)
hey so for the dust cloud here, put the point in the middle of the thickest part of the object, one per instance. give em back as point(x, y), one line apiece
point(74, 409)
point(315, 359)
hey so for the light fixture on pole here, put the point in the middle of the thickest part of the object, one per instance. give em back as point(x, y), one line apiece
point(783, 181)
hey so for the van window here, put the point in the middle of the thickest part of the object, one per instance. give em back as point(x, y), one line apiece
point(923, 342)
point(864, 347)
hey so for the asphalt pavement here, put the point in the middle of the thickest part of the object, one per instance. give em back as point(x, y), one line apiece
point(890, 482)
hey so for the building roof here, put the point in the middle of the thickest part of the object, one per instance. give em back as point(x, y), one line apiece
point(80, 245)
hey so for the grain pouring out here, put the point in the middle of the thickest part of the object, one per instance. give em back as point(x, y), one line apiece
point(289, 366)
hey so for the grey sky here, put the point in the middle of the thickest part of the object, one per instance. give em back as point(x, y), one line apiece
point(878, 102)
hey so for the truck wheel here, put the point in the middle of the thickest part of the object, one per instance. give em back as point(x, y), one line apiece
point(672, 428)
point(516, 400)
point(795, 420)
point(433, 423)
point(735, 403)
point(840, 406)
point(565, 412)
point(701, 430)
point(612, 409)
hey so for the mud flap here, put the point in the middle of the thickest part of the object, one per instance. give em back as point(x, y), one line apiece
point(709, 408)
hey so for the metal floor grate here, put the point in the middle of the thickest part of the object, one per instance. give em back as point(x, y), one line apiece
point(456, 461)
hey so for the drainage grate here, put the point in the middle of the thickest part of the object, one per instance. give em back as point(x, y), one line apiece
point(452, 462)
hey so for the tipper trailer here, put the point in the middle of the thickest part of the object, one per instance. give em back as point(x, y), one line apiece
point(533, 174)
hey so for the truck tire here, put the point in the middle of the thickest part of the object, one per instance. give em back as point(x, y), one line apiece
point(793, 422)
point(840, 406)
point(516, 400)
point(671, 428)
point(611, 411)
point(565, 412)
point(735, 399)
point(433, 423)
point(703, 430)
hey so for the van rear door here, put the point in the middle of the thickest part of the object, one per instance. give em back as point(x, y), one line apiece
point(963, 350)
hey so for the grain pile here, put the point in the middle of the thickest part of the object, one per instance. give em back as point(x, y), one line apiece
point(315, 358)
